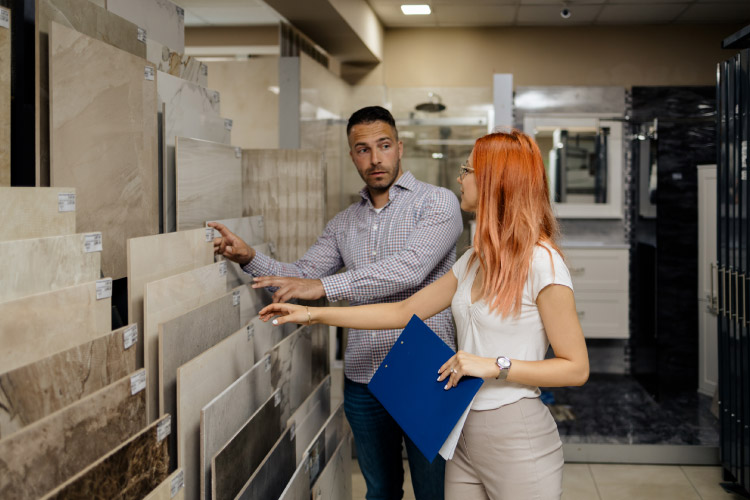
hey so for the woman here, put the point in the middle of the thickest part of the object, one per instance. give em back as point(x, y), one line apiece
point(511, 296)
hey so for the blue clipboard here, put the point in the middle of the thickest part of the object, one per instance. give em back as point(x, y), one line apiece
point(406, 385)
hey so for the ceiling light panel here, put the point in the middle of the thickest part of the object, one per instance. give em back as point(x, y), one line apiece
point(416, 9)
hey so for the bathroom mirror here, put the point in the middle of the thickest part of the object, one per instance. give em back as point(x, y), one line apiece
point(583, 158)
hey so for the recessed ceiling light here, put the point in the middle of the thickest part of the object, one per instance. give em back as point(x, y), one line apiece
point(416, 10)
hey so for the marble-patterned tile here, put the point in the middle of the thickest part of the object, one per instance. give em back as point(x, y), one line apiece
point(128, 472)
point(335, 481)
point(648, 482)
point(54, 449)
point(223, 416)
point(163, 20)
point(185, 337)
point(5, 96)
point(186, 97)
point(56, 320)
point(202, 193)
point(198, 382)
point(26, 267)
point(33, 391)
point(175, 63)
point(172, 488)
point(310, 417)
point(104, 105)
point(273, 474)
point(233, 465)
point(31, 212)
point(151, 258)
point(169, 298)
point(298, 487)
point(90, 19)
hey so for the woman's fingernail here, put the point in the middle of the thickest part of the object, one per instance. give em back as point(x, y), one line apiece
point(275, 322)
point(438, 379)
point(446, 387)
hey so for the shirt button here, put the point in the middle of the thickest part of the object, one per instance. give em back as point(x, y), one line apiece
point(375, 227)
point(374, 252)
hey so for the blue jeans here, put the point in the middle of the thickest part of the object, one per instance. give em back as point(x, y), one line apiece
point(378, 440)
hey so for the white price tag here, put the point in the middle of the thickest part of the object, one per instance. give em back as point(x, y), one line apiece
point(238, 152)
point(268, 363)
point(260, 223)
point(141, 35)
point(209, 234)
point(178, 482)
point(130, 337)
point(272, 247)
point(223, 271)
point(137, 382)
point(292, 430)
point(228, 124)
point(103, 289)
point(92, 242)
point(204, 70)
point(743, 175)
point(216, 97)
point(744, 153)
point(180, 11)
point(307, 463)
point(148, 73)
point(66, 202)
point(250, 332)
point(164, 428)
point(236, 298)
point(277, 398)
point(4, 18)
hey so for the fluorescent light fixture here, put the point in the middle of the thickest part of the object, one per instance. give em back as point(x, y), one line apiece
point(416, 10)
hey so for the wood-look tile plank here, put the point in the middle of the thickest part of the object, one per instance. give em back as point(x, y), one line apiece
point(30, 212)
point(163, 20)
point(5, 96)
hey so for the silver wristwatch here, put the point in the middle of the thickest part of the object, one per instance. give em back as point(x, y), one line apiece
point(504, 364)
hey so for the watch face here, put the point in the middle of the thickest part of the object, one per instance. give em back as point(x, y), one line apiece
point(503, 362)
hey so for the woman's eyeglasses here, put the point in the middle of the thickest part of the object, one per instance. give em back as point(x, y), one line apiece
point(463, 171)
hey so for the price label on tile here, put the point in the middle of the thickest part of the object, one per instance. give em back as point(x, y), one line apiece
point(137, 382)
point(272, 248)
point(277, 398)
point(4, 18)
point(66, 202)
point(141, 35)
point(180, 11)
point(216, 97)
point(103, 289)
point(178, 482)
point(228, 124)
point(260, 223)
point(292, 430)
point(743, 174)
point(148, 73)
point(744, 154)
point(223, 268)
point(130, 337)
point(209, 234)
point(307, 463)
point(92, 242)
point(238, 152)
point(236, 298)
point(204, 70)
point(250, 332)
point(163, 428)
point(268, 363)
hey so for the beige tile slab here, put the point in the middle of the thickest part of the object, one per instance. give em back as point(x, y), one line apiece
point(86, 17)
point(578, 483)
point(56, 321)
point(30, 212)
point(174, 483)
point(103, 106)
point(33, 391)
point(335, 481)
point(128, 472)
point(198, 382)
point(26, 267)
point(310, 417)
point(168, 298)
point(186, 97)
point(163, 20)
point(5, 98)
point(151, 258)
point(207, 193)
point(185, 337)
point(251, 229)
point(645, 482)
point(706, 481)
point(236, 277)
point(252, 300)
point(175, 63)
point(47, 453)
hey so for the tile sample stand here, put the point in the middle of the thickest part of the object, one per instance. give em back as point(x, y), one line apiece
point(240, 457)
point(163, 20)
point(326, 441)
point(39, 265)
point(30, 212)
point(5, 96)
point(56, 321)
point(36, 390)
point(168, 298)
point(52, 450)
point(128, 472)
point(273, 474)
point(185, 337)
point(151, 258)
point(198, 382)
point(310, 417)
point(175, 63)
point(206, 193)
point(335, 481)
point(172, 488)
point(104, 105)
point(85, 17)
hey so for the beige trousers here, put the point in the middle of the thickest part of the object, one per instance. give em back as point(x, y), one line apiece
point(511, 453)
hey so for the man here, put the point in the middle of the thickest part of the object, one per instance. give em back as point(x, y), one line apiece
point(399, 238)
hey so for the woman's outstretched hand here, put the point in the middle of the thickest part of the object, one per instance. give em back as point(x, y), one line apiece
point(464, 364)
point(286, 313)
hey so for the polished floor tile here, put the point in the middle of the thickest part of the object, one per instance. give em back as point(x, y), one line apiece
point(578, 483)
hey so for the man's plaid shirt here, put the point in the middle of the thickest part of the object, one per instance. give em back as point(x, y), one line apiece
point(388, 257)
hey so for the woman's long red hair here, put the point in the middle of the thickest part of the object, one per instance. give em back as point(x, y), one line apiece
point(513, 215)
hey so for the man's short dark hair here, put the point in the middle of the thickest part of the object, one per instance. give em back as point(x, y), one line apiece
point(371, 114)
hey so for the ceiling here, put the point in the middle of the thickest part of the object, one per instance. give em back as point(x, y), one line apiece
point(476, 13)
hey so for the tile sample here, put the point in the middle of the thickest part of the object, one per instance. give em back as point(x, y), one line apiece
point(91, 20)
point(273, 474)
point(39, 265)
point(172, 488)
point(290, 369)
point(208, 179)
point(310, 417)
point(56, 320)
point(104, 105)
point(298, 487)
point(175, 63)
point(151, 258)
point(198, 382)
point(251, 229)
point(252, 300)
point(267, 336)
point(43, 455)
point(163, 20)
point(286, 187)
point(168, 298)
point(237, 277)
point(326, 441)
point(185, 337)
point(335, 481)
point(233, 465)
point(184, 96)
point(128, 472)
point(30, 212)
point(4, 96)
point(223, 416)
point(36, 390)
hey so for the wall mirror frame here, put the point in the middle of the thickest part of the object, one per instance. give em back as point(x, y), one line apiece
point(606, 200)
